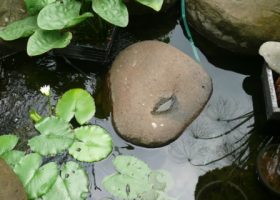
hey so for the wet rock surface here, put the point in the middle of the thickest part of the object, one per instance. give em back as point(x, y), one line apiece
point(240, 26)
point(10, 186)
point(156, 91)
point(11, 10)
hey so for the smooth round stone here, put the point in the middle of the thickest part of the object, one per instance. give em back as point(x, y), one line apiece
point(10, 186)
point(156, 92)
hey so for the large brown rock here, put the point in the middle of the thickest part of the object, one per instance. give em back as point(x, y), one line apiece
point(11, 10)
point(240, 26)
point(10, 186)
point(156, 91)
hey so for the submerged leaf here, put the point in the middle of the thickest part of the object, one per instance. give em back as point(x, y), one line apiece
point(72, 186)
point(7, 143)
point(78, 103)
point(34, 6)
point(154, 4)
point(19, 29)
point(56, 136)
point(60, 15)
point(42, 41)
point(92, 144)
point(12, 157)
point(113, 11)
point(160, 180)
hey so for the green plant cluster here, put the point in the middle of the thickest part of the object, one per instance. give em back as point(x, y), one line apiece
point(49, 21)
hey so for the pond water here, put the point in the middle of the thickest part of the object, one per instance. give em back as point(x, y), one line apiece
point(220, 145)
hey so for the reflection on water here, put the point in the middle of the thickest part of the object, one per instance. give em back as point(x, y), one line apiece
point(224, 135)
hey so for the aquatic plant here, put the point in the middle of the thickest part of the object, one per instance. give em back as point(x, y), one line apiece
point(48, 21)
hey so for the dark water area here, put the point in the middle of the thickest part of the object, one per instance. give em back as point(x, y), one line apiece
point(218, 150)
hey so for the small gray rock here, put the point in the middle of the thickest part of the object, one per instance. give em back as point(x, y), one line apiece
point(270, 51)
point(156, 92)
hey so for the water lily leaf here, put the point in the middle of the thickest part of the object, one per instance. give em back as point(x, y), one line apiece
point(154, 4)
point(34, 6)
point(160, 180)
point(7, 143)
point(42, 41)
point(113, 11)
point(92, 144)
point(56, 136)
point(36, 180)
point(132, 167)
point(125, 187)
point(19, 29)
point(12, 157)
point(72, 185)
point(60, 15)
point(78, 103)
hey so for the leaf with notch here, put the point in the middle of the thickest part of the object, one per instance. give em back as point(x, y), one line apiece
point(60, 15)
point(113, 11)
point(34, 6)
point(43, 41)
point(7, 143)
point(92, 144)
point(18, 29)
point(78, 103)
point(154, 4)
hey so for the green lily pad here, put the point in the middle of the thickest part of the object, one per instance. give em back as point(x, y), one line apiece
point(132, 166)
point(154, 4)
point(43, 41)
point(60, 15)
point(92, 144)
point(12, 157)
point(113, 11)
point(34, 6)
point(7, 143)
point(19, 29)
point(160, 180)
point(71, 185)
point(56, 136)
point(35, 179)
point(78, 103)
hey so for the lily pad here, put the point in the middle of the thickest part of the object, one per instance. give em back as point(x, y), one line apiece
point(34, 6)
point(56, 136)
point(7, 143)
point(19, 29)
point(43, 41)
point(36, 180)
point(61, 14)
point(92, 144)
point(12, 157)
point(160, 180)
point(78, 103)
point(72, 185)
point(154, 4)
point(113, 11)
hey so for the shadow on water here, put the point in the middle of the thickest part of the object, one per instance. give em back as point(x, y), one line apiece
point(220, 145)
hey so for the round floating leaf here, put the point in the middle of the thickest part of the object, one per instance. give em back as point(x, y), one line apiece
point(19, 29)
point(60, 15)
point(7, 143)
point(154, 4)
point(34, 6)
point(160, 180)
point(113, 11)
point(12, 157)
point(92, 144)
point(125, 187)
point(42, 41)
point(72, 186)
point(132, 166)
point(56, 136)
point(78, 103)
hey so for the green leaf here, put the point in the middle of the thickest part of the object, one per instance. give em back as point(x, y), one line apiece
point(92, 144)
point(160, 180)
point(56, 136)
point(154, 4)
point(12, 157)
point(34, 6)
point(37, 181)
point(132, 167)
point(60, 15)
point(72, 186)
point(42, 41)
point(7, 143)
point(78, 103)
point(19, 29)
point(113, 11)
